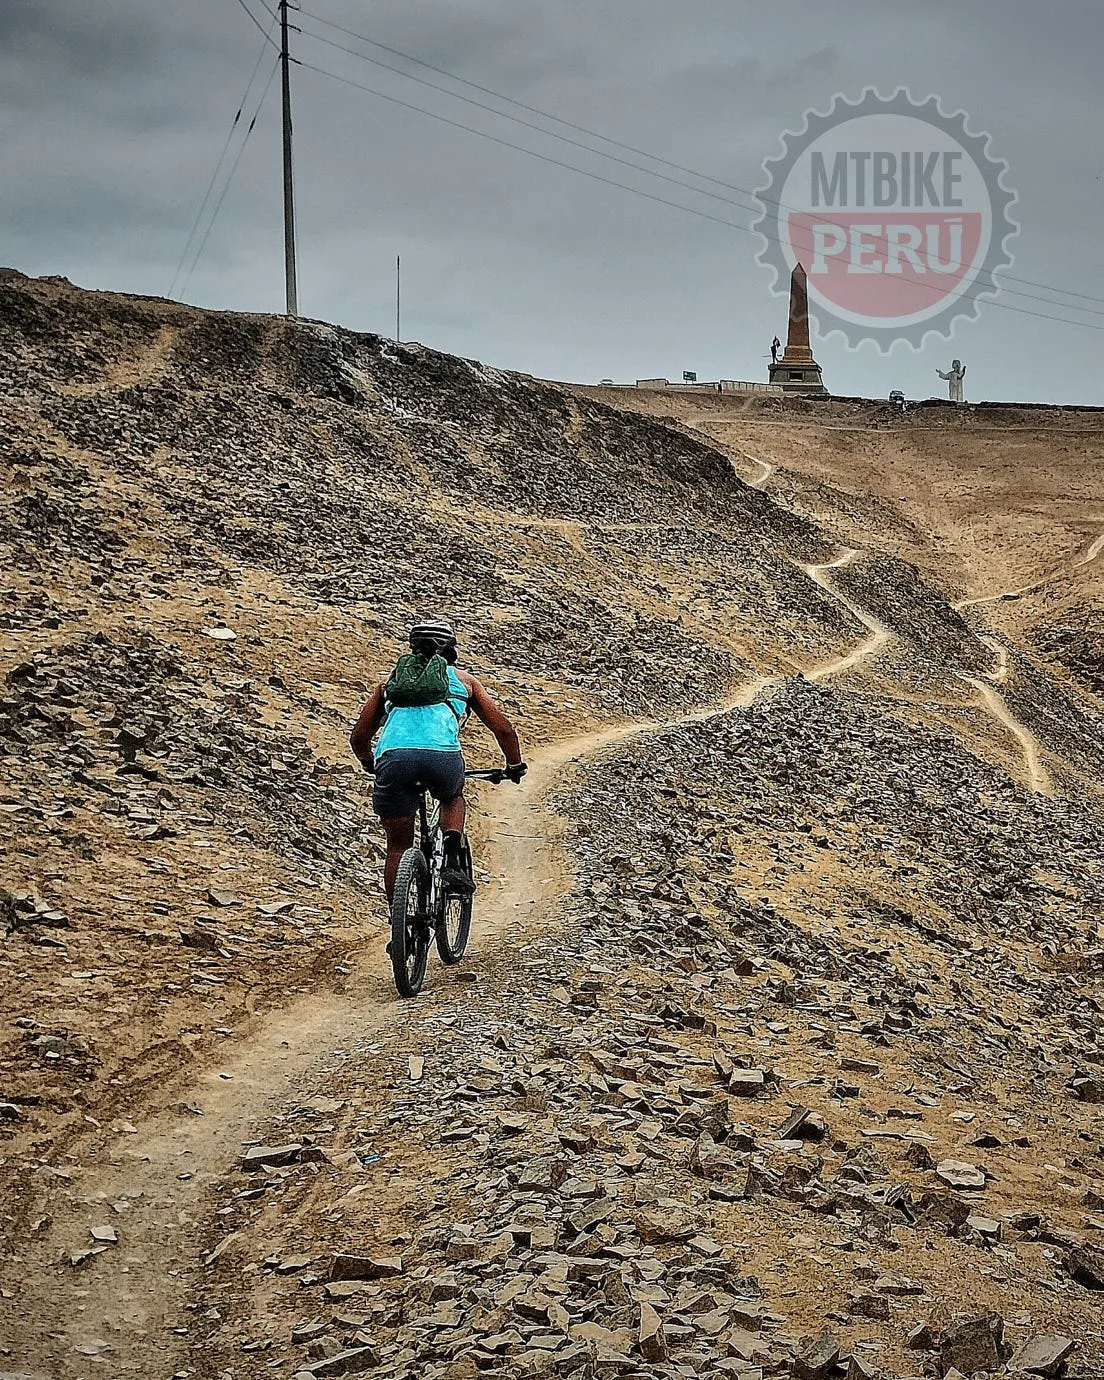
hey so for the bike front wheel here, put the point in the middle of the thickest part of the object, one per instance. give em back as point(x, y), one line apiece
point(454, 925)
point(410, 923)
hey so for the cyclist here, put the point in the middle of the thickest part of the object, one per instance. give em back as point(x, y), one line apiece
point(420, 744)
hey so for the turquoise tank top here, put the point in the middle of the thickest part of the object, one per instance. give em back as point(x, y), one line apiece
point(432, 727)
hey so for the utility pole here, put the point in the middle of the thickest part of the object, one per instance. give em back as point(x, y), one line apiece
point(398, 297)
point(289, 182)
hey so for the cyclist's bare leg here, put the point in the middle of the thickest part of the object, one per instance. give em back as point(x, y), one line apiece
point(453, 814)
point(400, 836)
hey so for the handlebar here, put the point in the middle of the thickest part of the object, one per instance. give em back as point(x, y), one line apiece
point(495, 775)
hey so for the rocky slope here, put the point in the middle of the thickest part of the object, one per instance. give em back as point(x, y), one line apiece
point(779, 1043)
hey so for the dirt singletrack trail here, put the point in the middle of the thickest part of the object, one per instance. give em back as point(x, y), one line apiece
point(990, 701)
point(999, 490)
point(1087, 557)
point(121, 1302)
point(163, 1173)
point(879, 633)
point(999, 674)
point(1037, 775)
point(765, 468)
point(156, 1180)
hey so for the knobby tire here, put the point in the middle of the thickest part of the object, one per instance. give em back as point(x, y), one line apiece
point(454, 925)
point(410, 924)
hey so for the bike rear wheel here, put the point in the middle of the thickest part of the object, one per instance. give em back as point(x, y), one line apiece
point(454, 924)
point(410, 923)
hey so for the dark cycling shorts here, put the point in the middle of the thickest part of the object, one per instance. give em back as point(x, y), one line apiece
point(399, 771)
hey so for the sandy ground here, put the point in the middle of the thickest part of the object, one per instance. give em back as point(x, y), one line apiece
point(983, 501)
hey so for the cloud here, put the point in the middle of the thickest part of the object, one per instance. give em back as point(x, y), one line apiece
point(114, 114)
point(50, 47)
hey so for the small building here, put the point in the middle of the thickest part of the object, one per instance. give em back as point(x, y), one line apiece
point(717, 386)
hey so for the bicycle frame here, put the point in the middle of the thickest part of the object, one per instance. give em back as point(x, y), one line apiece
point(431, 841)
point(432, 845)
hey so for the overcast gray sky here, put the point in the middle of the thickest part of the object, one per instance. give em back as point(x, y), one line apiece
point(114, 112)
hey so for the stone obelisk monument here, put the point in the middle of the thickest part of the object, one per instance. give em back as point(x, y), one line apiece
point(797, 371)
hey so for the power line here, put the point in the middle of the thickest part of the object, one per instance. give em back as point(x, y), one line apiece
point(218, 168)
point(505, 143)
point(616, 143)
point(527, 124)
point(521, 105)
point(1066, 292)
point(257, 22)
point(880, 241)
point(637, 191)
point(229, 180)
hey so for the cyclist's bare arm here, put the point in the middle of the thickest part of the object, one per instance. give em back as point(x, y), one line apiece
point(489, 714)
point(367, 726)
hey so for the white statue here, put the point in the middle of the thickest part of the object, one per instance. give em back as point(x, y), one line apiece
point(954, 380)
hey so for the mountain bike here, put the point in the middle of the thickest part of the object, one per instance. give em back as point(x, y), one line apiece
point(422, 908)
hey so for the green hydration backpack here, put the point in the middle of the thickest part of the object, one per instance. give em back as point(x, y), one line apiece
point(418, 680)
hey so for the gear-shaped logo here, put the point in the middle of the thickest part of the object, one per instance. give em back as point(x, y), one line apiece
point(898, 214)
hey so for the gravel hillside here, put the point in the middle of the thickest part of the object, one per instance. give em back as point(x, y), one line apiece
point(778, 1050)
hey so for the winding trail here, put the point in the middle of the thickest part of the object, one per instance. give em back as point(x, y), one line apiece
point(999, 674)
point(766, 469)
point(1090, 554)
point(879, 633)
point(1094, 550)
point(760, 481)
point(1037, 775)
point(989, 700)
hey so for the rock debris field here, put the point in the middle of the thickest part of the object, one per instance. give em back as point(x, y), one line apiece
point(778, 1047)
